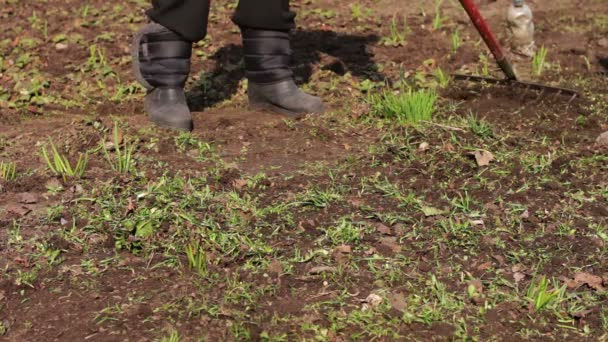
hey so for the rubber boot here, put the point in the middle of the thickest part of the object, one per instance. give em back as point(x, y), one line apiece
point(161, 62)
point(271, 85)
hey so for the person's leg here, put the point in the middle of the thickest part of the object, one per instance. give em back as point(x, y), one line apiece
point(161, 55)
point(265, 31)
point(187, 18)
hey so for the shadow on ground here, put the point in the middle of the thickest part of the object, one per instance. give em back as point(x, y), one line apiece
point(604, 63)
point(350, 54)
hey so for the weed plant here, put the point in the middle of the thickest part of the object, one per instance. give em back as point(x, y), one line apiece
point(8, 171)
point(122, 160)
point(405, 107)
point(539, 62)
point(60, 165)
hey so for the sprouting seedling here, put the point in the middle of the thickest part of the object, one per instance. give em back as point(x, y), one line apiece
point(122, 159)
point(439, 19)
point(456, 41)
point(8, 171)
point(540, 294)
point(197, 259)
point(539, 62)
point(60, 165)
point(398, 35)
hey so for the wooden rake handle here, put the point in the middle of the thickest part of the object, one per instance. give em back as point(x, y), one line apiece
point(484, 30)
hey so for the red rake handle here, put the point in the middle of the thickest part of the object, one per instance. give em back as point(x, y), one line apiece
point(489, 39)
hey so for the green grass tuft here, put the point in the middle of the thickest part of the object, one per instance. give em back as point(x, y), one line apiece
point(405, 108)
point(60, 165)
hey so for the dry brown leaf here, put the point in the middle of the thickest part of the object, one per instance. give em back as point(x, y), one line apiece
point(398, 301)
point(322, 269)
point(518, 276)
point(500, 259)
point(581, 314)
point(239, 183)
point(344, 249)
point(602, 140)
point(19, 210)
point(593, 281)
point(485, 266)
point(28, 198)
point(372, 301)
point(391, 242)
point(275, 267)
point(477, 284)
point(483, 157)
point(371, 251)
point(384, 229)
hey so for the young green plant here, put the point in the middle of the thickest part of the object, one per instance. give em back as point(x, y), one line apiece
point(539, 62)
point(60, 165)
point(541, 296)
point(398, 35)
point(8, 171)
point(197, 259)
point(122, 159)
point(405, 107)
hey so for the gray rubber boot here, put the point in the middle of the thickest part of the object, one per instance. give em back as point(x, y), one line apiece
point(283, 97)
point(271, 86)
point(161, 63)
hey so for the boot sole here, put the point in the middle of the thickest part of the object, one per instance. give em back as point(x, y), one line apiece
point(265, 106)
point(188, 127)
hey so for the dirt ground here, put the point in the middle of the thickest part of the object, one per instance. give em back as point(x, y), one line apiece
point(338, 227)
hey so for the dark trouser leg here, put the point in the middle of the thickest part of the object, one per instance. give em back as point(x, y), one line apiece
point(188, 18)
point(264, 14)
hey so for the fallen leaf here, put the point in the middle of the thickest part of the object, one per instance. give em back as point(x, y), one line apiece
point(591, 280)
point(500, 259)
point(483, 157)
point(581, 314)
point(430, 211)
point(372, 301)
point(53, 183)
point(384, 229)
point(476, 283)
point(478, 223)
point(275, 267)
point(602, 140)
point(391, 242)
point(322, 269)
point(398, 301)
point(130, 206)
point(370, 251)
point(342, 254)
point(19, 210)
point(27, 198)
point(344, 249)
point(239, 183)
point(485, 266)
point(356, 202)
point(518, 276)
